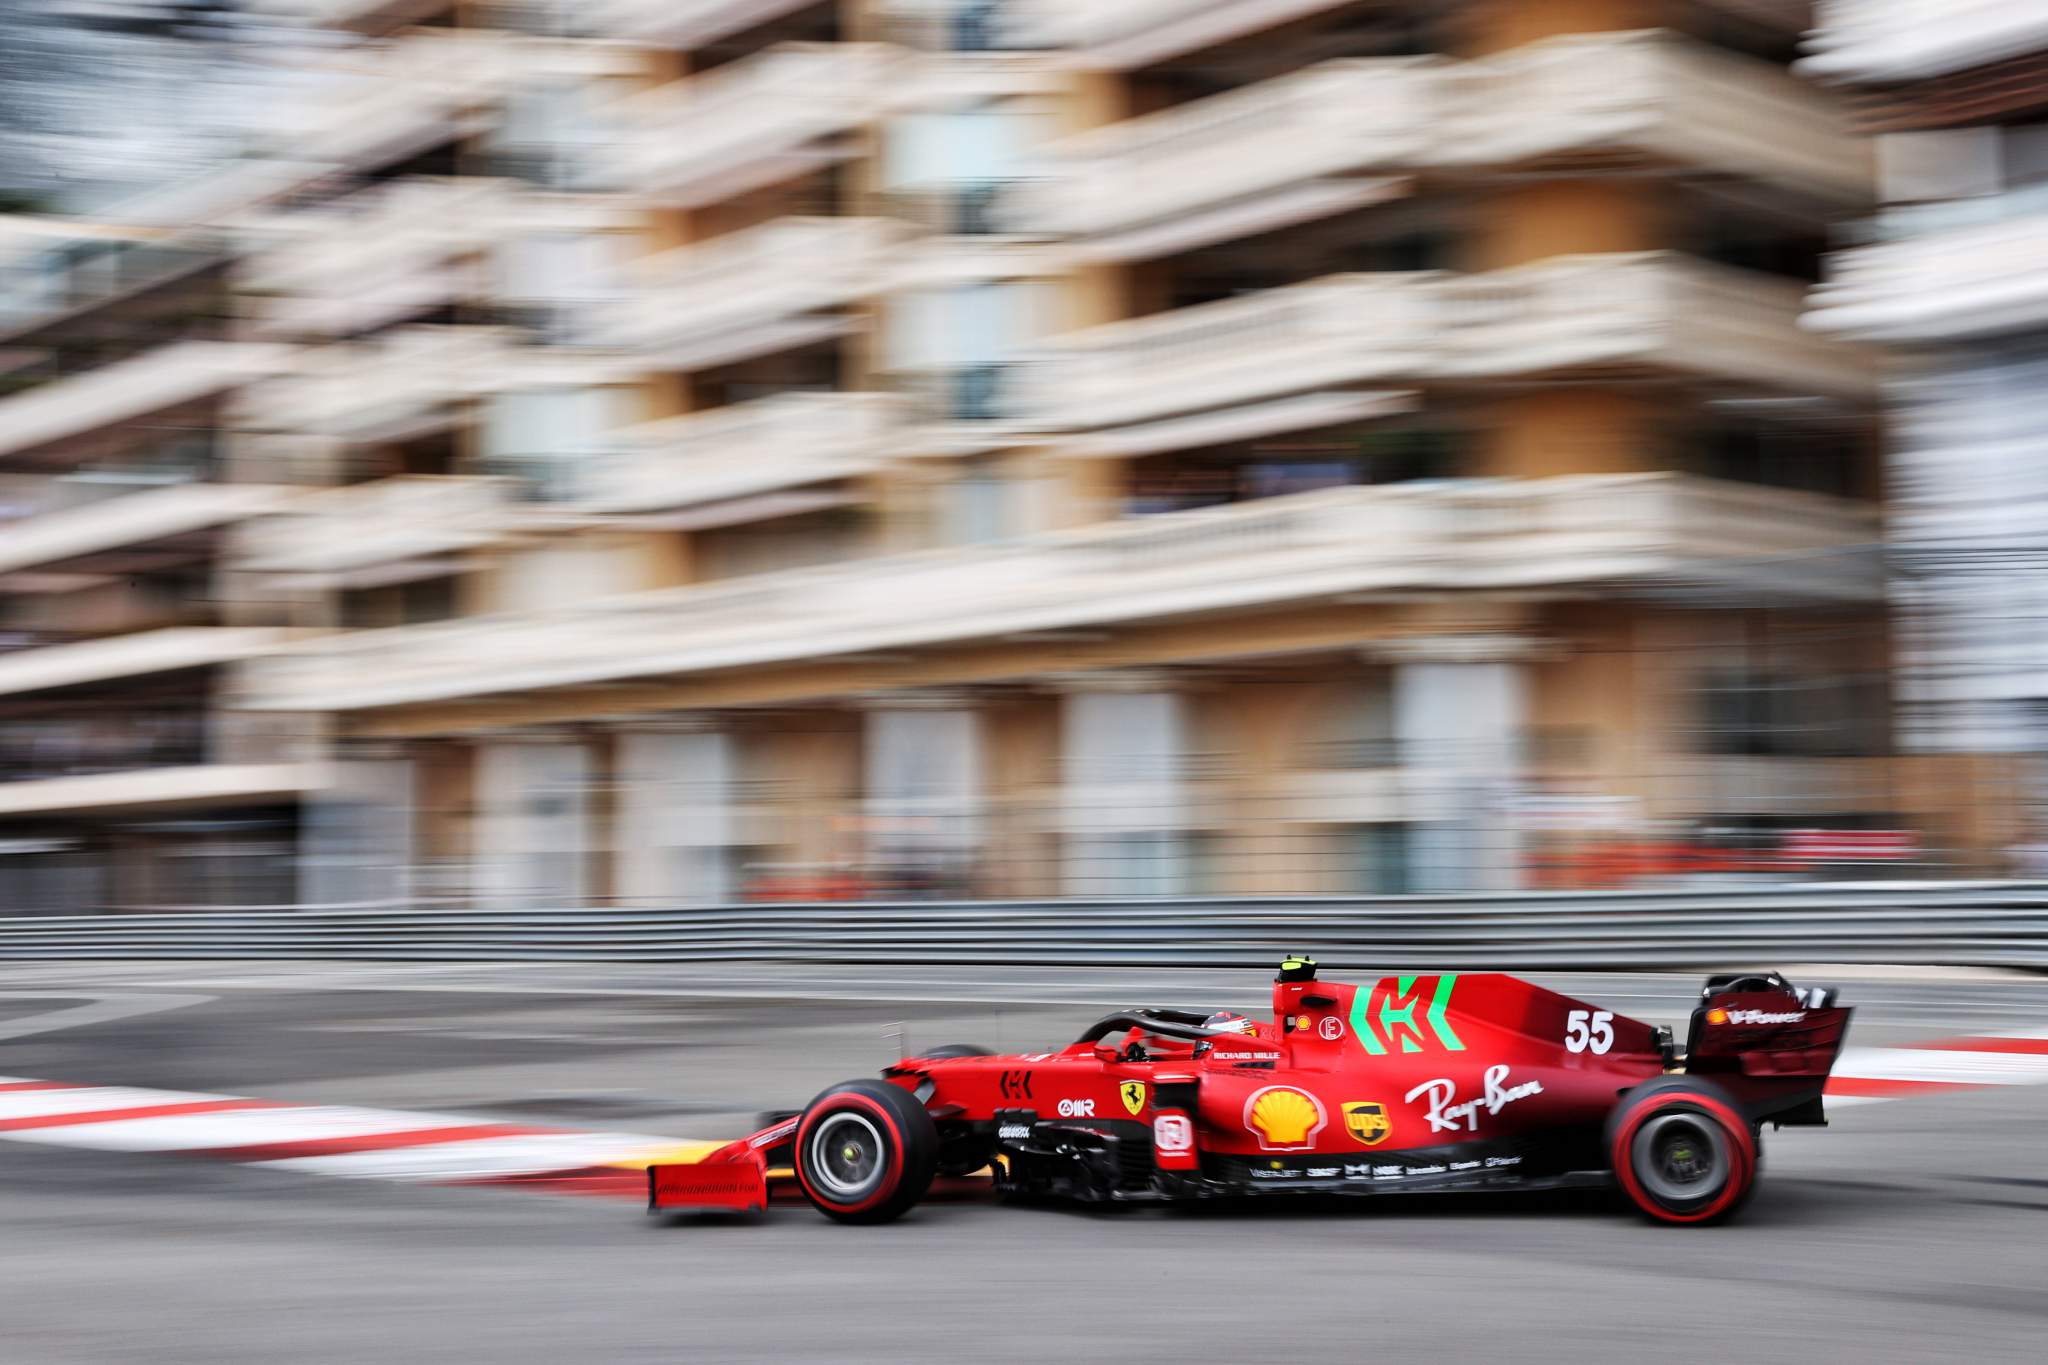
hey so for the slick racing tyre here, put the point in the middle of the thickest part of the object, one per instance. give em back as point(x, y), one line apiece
point(865, 1151)
point(1682, 1152)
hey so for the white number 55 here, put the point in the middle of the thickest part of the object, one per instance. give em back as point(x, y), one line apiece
point(1589, 1031)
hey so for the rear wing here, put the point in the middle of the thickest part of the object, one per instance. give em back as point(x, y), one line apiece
point(1769, 1043)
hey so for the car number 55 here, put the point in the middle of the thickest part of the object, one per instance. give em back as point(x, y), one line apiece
point(1589, 1031)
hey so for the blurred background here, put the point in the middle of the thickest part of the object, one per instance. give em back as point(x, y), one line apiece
point(527, 453)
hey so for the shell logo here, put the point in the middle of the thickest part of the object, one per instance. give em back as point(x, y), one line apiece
point(1285, 1119)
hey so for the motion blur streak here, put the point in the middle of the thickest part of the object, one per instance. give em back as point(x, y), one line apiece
point(707, 455)
point(531, 454)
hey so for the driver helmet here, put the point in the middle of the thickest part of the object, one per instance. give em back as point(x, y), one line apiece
point(1229, 1021)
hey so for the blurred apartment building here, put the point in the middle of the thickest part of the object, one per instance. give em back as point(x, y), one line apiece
point(673, 451)
point(1953, 277)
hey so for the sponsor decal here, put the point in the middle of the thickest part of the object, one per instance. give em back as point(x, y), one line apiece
point(1330, 1028)
point(1426, 1170)
point(1756, 1016)
point(1015, 1085)
point(1384, 1017)
point(1173, 1133)
point(1357, 1172)
point(1447, 1117)
point(1494, 1162)
point(1077, 1109)
point(1013, 1132)
point(1133, 1093)
point(1466, 1165)
point(1322, 1172)
point(1367, 1121)
point(1387, 1172)
point(1245, 1056)
point(1284, 1118)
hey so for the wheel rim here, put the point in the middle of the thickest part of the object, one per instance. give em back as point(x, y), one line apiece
point(848, 1157)
point(1681, 1159)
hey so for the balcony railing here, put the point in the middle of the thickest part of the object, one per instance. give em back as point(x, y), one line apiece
point(1338, 330)
point(1342, 118)
point(1585, 533)
point(754, 291)
point(783, 113)
point(1659, 96)
point(1977, 280)
point(1648, 311)
point(403, 382)
point(386, 522)
point(1890, 41)
point(788, 441)
point(686, 24)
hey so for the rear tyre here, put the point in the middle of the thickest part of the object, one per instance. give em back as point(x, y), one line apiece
point(1682, 1152)
point(865, 1152)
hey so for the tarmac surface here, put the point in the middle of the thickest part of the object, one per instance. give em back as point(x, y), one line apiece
point(1911, 1230)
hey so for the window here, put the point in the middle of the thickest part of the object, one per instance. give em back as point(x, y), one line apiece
point(544, 435)
point(1777, 714)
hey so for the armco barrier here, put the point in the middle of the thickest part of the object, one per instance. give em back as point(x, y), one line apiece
point(1980, 923)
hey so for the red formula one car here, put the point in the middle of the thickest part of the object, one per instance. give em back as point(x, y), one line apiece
point(1405, 1084)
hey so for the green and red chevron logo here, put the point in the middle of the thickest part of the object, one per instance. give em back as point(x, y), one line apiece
point(1383, 1018)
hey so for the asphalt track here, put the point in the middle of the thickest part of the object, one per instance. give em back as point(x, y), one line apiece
point(1912, 1230)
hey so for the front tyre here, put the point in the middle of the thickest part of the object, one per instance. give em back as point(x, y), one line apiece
point(865, 1151)
point(1681, 1151)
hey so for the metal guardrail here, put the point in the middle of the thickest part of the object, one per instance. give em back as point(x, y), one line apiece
point(1980, 923)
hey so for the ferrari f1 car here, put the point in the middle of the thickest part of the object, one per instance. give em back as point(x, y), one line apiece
point(1400, 1085)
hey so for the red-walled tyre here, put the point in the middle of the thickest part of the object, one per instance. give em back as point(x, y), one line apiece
point(866, 1151)
point(1682, 1152)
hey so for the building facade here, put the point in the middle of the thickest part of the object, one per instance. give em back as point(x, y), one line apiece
point(1953, 280)
point(792, 449)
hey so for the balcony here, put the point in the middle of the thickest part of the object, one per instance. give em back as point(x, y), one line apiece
point(1595, 535)
point(1134, 33)
point(684, 24)
point(1599, 100)
point(157, 381)
point(792, 441)
point(131, 656)
point(786, 283)
point(378, 105)
point(136, 519)
point(1343, 329)
point(1638, 314)
point(1890, 42)
point(1316, 142)
point(406, 248)
point(390, 521)
point(781, 114)
point(1974, 279)
point(186, 787)
point(406, 383)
